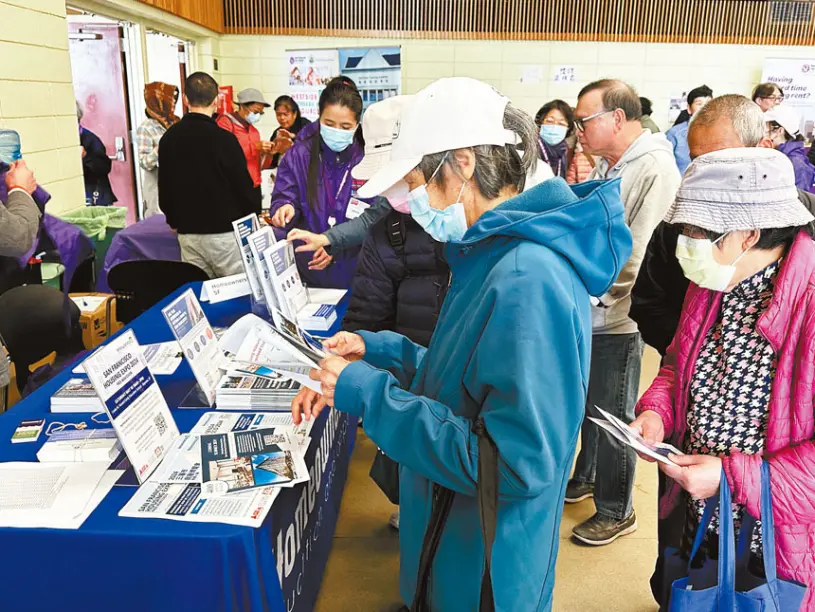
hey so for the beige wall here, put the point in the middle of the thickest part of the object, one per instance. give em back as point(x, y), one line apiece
point(656, 70)
point(37, 98)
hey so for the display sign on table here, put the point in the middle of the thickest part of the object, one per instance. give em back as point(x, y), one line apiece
point(134, 402)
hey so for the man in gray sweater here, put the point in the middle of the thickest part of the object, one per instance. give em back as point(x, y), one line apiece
point(607, 117)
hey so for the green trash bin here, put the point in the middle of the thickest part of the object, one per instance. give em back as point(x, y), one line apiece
point(100, 224)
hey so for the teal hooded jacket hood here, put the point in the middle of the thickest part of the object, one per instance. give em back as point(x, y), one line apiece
point(513, 346)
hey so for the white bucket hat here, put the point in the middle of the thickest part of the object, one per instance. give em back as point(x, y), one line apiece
point(739, 189)
point(451, 113)
point(378, 123)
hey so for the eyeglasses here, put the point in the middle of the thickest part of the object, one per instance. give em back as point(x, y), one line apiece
point(776, 99)
point(581, 123)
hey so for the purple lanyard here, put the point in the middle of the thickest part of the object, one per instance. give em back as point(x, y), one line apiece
point(332, 202)
point(546, 159)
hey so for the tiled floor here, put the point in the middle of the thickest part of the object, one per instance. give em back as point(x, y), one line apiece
point(363, 567)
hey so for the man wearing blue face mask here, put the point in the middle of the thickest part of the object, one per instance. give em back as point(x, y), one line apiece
point(259, 153)
point(556, 124)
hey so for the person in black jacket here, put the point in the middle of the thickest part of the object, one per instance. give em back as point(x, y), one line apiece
point(204, 184)
point(725, 122)
point(401, 281)
point(96, 166)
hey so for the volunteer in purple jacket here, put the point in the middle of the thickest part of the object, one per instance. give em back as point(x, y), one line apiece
point(314, 189)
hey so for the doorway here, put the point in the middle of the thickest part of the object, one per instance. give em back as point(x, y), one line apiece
point(100, 87)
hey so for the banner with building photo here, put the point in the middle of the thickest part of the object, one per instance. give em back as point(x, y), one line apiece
point(309, 70)
point(796, 77)
point(377, 71)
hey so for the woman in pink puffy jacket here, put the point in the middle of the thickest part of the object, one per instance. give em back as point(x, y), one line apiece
point(737, 384)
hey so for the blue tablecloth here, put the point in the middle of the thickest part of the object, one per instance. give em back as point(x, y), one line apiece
point(151, 565)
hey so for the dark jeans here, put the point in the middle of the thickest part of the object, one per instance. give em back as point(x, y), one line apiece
point(614, 380)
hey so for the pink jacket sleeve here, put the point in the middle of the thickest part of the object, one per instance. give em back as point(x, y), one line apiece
point(792, 481)
point(660, 395)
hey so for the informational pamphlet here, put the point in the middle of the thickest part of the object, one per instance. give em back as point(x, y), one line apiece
point(185, 502)
point(134, 402)
point(263, 343)
point(630, 437)
point(243, 228)
point(28, 431)
point(224, 422)
point(299, 375)
point(226, 288)
point(232, 461)
point(286, 282)
point(193, 332)
point(258, 243)
point(163, 358)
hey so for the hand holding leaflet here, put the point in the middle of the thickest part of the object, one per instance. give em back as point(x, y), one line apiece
point(630, 437)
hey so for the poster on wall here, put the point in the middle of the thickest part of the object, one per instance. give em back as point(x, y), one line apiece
point(377, 71)
point(309, 70)
point(677, 103)
point(796, 77)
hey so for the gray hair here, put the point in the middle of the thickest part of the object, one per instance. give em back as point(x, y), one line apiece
point(79, 112)
point(616, 94)
point(745, 115)
point(496, 166)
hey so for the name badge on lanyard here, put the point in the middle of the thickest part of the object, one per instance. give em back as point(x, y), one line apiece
point(356, 208)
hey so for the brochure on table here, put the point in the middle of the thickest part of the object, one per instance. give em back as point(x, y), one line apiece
point(134, 402)
point(224, 422)
point(193, 332)
point(293, 297)
point(184, 502)
point(243, 228)
point(233, 461)
point(163, 358)
point(258, 243)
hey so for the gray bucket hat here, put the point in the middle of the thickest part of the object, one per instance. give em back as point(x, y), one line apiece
point(250, 96)
point(739, 189)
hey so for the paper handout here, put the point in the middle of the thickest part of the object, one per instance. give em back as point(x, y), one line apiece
point(134, 402)
point(628, 436)
point(243, 227)
point(193, 332)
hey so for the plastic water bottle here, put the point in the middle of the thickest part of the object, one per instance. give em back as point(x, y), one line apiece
point(9, 146)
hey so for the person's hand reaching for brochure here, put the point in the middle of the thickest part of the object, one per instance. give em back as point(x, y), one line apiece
point(699, 475)
point(650, 426)
point(345, 344)
point(321, 260)
point(308, 404)
point(283, 216)
point(310, 240)
point(331, 368)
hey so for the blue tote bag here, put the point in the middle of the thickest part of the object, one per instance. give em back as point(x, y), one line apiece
point(769, 595)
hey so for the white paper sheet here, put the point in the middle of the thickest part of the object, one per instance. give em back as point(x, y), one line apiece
point(227, 288)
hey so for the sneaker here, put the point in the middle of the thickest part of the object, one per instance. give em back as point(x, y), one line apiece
point(600, 530)
point(577, 491)
point(394, 520)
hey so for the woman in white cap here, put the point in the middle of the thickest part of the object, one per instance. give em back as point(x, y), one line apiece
point(783, 130)
point(737, 384)
point(486, 419)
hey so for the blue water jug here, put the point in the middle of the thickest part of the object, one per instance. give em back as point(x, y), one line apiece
point(9, 146)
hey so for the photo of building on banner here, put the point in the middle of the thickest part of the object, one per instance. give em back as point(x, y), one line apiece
point(198, 342)
point(134, 402)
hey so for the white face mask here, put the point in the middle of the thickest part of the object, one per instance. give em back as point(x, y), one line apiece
point(695, 255)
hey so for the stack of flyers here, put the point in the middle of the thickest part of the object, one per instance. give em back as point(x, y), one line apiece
point(246, 392)
point(225, 422)
point(628, 436)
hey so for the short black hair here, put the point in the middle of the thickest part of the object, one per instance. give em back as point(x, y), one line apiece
point(765, 90)
point(560, 105)
point(616, 94)
point(200, 89)
point(699, 92)
point(647, 108)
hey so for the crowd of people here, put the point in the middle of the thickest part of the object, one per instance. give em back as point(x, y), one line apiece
point(505, 273)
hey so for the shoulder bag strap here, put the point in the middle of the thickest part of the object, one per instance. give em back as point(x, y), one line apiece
point(487, 507)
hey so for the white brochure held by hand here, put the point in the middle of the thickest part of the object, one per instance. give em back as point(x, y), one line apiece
point(134, 402)
point(198, 342)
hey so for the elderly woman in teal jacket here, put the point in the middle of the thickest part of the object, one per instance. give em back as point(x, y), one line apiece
point(511, 350)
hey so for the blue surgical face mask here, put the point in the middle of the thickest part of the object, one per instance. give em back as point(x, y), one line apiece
point(445, 225)
point(253, 118)
point(553, 134)
point(336, 139)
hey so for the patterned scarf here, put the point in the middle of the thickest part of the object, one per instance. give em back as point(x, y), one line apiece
point(161, 99)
